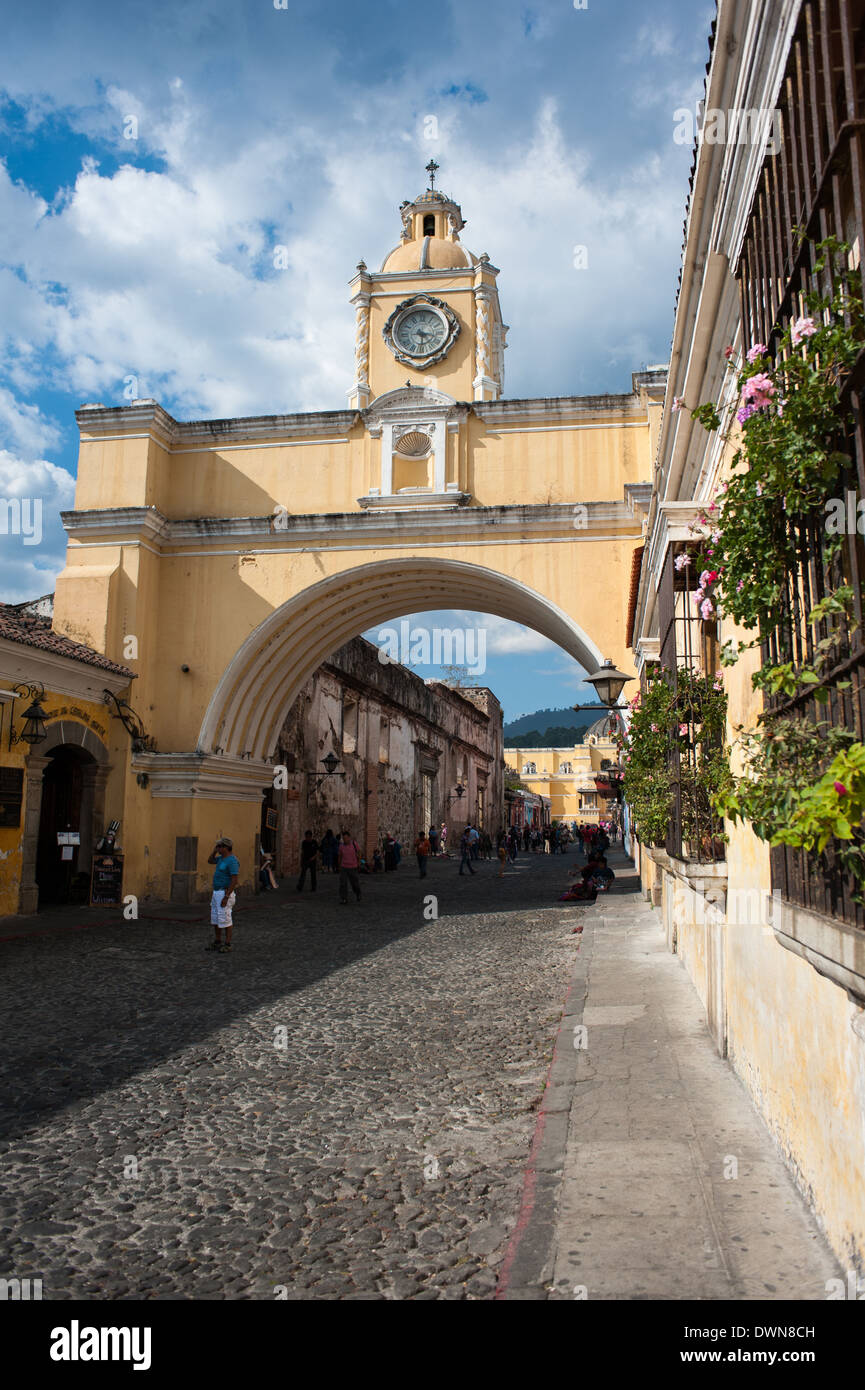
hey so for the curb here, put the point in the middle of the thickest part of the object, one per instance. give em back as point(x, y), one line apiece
point(528, 1262)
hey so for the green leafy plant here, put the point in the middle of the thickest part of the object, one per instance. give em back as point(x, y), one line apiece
point(802, 782)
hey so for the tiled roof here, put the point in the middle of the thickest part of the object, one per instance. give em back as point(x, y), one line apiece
point(17, 625)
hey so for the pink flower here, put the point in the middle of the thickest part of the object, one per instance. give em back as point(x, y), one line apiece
point(712, 507)
point(682, 561)
point(740, 586)
point(715, 536)
point(719, 682)
point(802, 328)
point(728, 352)
point(683, 730)
point(708, 577)
point(759, 490)
point(698, 597)
point(758, 390)
point(678, 403)
point(745, 412)
point(722, 488)
point(758, 350)
point(654, 728)
point(706, 609)
point(840, 788)
point(710, 552)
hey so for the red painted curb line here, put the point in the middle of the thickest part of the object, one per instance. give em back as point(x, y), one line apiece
point(527, 1204)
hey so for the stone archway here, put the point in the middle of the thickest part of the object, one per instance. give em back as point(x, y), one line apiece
point(268, 671)
point(69, 734)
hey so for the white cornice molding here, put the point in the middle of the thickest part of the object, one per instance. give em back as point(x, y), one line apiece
point(207, 776)
point(409, 401)
point(555, 409)
point(148, 420)
point(123, 524)
point(23, 664)
point(396, 277)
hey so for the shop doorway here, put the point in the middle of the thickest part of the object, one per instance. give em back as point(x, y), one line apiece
point(63, 872)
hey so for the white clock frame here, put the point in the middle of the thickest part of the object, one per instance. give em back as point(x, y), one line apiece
point(407, 306)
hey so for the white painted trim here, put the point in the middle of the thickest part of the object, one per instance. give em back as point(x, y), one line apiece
point(373, 544)
point(550, 429)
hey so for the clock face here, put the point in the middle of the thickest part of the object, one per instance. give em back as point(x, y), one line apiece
point(420, 332)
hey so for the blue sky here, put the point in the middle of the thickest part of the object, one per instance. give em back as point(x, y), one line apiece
point(152, 154)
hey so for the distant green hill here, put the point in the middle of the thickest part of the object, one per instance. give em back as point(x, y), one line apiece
point(549, 728)
point(559, 736)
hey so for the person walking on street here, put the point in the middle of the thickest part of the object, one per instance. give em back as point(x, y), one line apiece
point(443, 839)
point(308, 856)
point(465, 851)
point(222, 902)
point(503, 858)
point(349, 867)
point(433, 840)
point(328, 848)
point(422, 849)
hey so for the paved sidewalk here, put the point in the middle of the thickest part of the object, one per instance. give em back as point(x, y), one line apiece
point(652, 1175)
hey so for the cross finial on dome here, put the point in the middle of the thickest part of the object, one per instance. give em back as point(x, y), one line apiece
point(432, 169)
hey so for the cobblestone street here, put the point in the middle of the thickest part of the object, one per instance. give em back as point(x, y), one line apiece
point(359, 1102)
point(342, 1107)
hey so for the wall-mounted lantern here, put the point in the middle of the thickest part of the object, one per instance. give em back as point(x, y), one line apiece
point(34, 716)
point(330, 763)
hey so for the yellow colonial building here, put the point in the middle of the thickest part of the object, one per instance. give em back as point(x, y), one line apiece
point(57, 751)
point(577, 781)
point(773, 937)
point(224, 560)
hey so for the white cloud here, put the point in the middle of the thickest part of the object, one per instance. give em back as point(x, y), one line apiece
point(32, 539)
point(168, 276)
point(24, 426)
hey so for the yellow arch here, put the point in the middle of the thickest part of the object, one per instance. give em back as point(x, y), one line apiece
point(256, 691)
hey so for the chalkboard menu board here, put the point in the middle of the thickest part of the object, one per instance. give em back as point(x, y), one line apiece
point(11, 795)
point(106, 882)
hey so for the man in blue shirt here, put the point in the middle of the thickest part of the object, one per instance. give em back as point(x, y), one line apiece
point(225, 877)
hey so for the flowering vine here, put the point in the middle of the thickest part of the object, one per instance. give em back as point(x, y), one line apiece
point(804, 783)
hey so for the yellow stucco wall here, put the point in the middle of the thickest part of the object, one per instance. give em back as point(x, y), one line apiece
point(562, 788)
point(788, 1029)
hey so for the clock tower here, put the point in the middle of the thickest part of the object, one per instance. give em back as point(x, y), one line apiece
point(430, 317)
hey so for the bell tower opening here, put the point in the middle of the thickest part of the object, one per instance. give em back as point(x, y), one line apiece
point(429, 224)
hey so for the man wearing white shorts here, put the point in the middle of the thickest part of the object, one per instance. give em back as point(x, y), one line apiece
point(225, 877)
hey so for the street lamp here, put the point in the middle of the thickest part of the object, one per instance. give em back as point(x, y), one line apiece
point(34, 716)
point(608, 683)
point(457, 794)
point(314, 779)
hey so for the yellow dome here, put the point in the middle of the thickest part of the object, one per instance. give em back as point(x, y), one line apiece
point(431, 253)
